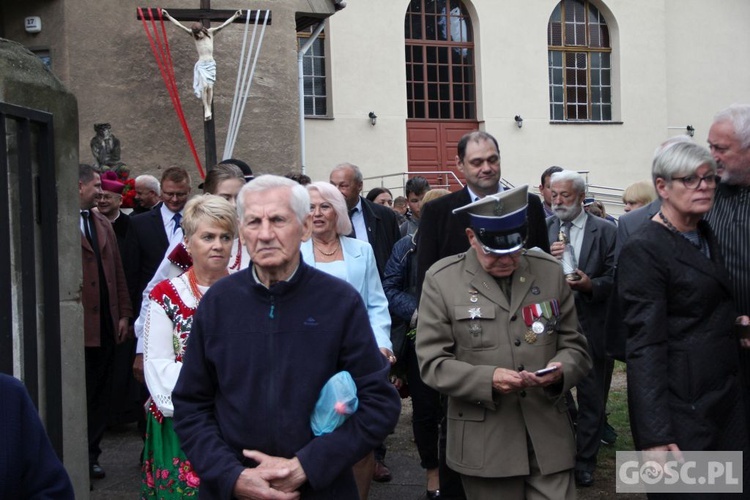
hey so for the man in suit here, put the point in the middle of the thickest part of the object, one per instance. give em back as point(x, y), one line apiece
point(443, 233)
point(373, 223)
point(592, 240)
point(489, 319)
point(106, 308)
point(150, 235)
point(377, 225)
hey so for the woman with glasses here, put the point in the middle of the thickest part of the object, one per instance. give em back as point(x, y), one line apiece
point(682, 351)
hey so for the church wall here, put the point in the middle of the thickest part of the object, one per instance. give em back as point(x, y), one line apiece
point(706, 68)
point(666, 53)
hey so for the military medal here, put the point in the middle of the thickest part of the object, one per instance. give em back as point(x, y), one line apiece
point(473, 296)
point(475, 312)
point(537, 327)
point(530, 318)
point(530, 337)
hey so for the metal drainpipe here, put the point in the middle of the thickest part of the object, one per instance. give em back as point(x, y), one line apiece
point(301, 84)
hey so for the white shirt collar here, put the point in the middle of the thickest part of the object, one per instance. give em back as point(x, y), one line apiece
point(474, 197)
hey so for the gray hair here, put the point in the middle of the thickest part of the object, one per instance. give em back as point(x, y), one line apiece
point(333, 196)
point(680, 158)
point(208, 208)
point(354, 168)
point(299, 201)
point(739, 116)
point(149, 182)
point(677, 139)
point(579, 183)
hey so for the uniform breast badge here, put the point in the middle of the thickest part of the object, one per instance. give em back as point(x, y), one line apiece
point(540, 319)
point(473, 296)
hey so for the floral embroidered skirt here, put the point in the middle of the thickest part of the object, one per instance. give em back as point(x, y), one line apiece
point(166, 472)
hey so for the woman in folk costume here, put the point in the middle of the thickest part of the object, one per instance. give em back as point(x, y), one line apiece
point(210, 225)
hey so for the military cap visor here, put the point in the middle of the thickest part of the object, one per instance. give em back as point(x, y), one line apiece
point(501, 242)
point(499, 220)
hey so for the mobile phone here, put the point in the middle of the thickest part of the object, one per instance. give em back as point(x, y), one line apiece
point(545, 371)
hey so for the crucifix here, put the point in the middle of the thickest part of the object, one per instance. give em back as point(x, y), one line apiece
point(205, 68)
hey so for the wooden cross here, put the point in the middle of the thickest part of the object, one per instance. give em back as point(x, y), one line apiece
point(206, 15)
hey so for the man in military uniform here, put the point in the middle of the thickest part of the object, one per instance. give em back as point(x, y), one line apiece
point(489, 320)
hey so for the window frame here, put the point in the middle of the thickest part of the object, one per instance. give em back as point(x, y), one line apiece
point(440, 96)
point(311, 55)
point(602, 110)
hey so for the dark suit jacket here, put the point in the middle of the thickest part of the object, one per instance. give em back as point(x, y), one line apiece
point(683, 384)
point(442, 233)
point(597, 260)
point(121, 226)
point(147, 243)
point(382, 231)
point(119, 301)
point(627, 225)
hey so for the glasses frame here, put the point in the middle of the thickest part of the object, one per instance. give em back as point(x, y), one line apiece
point(710, 180)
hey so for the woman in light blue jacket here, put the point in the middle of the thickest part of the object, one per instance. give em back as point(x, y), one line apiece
point(349, 259)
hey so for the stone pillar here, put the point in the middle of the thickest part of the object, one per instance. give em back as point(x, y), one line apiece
point(26, 82)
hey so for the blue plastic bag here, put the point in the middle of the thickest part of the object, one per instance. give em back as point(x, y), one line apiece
point(337, 400)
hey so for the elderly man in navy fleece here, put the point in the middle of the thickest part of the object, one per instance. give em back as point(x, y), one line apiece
point(264, 341)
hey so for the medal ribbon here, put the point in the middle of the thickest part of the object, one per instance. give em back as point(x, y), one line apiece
point(546, 309)
point(528, 315)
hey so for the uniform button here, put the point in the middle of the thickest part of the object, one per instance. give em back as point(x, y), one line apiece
point(523, 394)
point(517, 342)
point(460, 414)
point(514, 317)
point(520, 368)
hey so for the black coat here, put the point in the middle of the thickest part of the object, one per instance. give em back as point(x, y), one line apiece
point(146, 243)
point(682, 355)
point(443, 233)
point(382, 231)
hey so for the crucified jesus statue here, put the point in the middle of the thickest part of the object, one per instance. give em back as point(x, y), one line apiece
point(204, 73)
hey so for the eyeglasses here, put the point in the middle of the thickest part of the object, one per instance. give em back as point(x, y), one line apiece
point(693, 181)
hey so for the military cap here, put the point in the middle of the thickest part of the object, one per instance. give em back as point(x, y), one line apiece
point(499, 220)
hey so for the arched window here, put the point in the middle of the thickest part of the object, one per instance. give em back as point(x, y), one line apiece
point(580, 63)
point(439, 61)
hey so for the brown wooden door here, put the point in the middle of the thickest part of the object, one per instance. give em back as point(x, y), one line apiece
point(431, 146)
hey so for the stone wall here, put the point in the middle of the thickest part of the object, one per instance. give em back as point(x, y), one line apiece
point(24, 81)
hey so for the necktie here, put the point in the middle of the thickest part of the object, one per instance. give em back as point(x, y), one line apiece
point(504, 284)
point(352, 211)
point(177, 218)
point(566, 231)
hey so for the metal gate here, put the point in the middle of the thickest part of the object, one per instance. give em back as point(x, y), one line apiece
point(29, 281)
